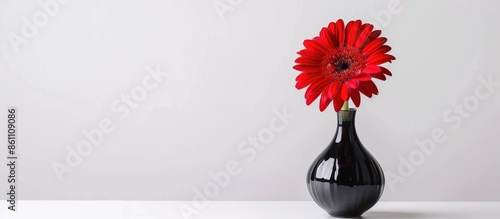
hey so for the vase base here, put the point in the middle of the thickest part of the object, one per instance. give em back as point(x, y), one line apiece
point(345, 216)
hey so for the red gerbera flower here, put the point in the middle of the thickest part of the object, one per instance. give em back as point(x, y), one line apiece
point(341, 62)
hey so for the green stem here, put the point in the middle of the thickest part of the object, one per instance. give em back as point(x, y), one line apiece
point(346, 106)
point(345, 111)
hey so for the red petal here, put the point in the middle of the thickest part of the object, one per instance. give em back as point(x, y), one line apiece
point(328, 38)
point(325, 100)
point(314, 90)
point(304, 76)
point(382, 50)
point(386, 71)
point(340, 32)
point(370, 86)
point(371, 69)
point(379, 59)
point(365, 91)
point(379, 76)
point(311, 99)
point(307, 61)
point(305, 79)
point(307, 68)
point(352, 32)
point(333, 89)
point(373, 35)
point(307, 76)
point(353, 83)
point(374, 45)
point(344, 91)
point(363, 36)
point(315, 45)
point(316, 55)
point(363, 77)
point(356, 99)
point(333, 32)
point(338, 103)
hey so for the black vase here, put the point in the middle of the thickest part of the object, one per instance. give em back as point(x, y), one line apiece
point(345, 179)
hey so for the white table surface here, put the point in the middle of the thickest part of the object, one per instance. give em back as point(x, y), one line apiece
point(241, 210)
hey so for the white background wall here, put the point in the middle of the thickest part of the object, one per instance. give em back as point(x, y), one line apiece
point(227, 75)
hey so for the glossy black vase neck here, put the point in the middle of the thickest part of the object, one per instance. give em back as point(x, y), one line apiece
point(346, 130)
point(346, 115)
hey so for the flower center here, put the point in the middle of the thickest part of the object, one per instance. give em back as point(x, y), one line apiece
point(344, 63)
point(341, 65)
